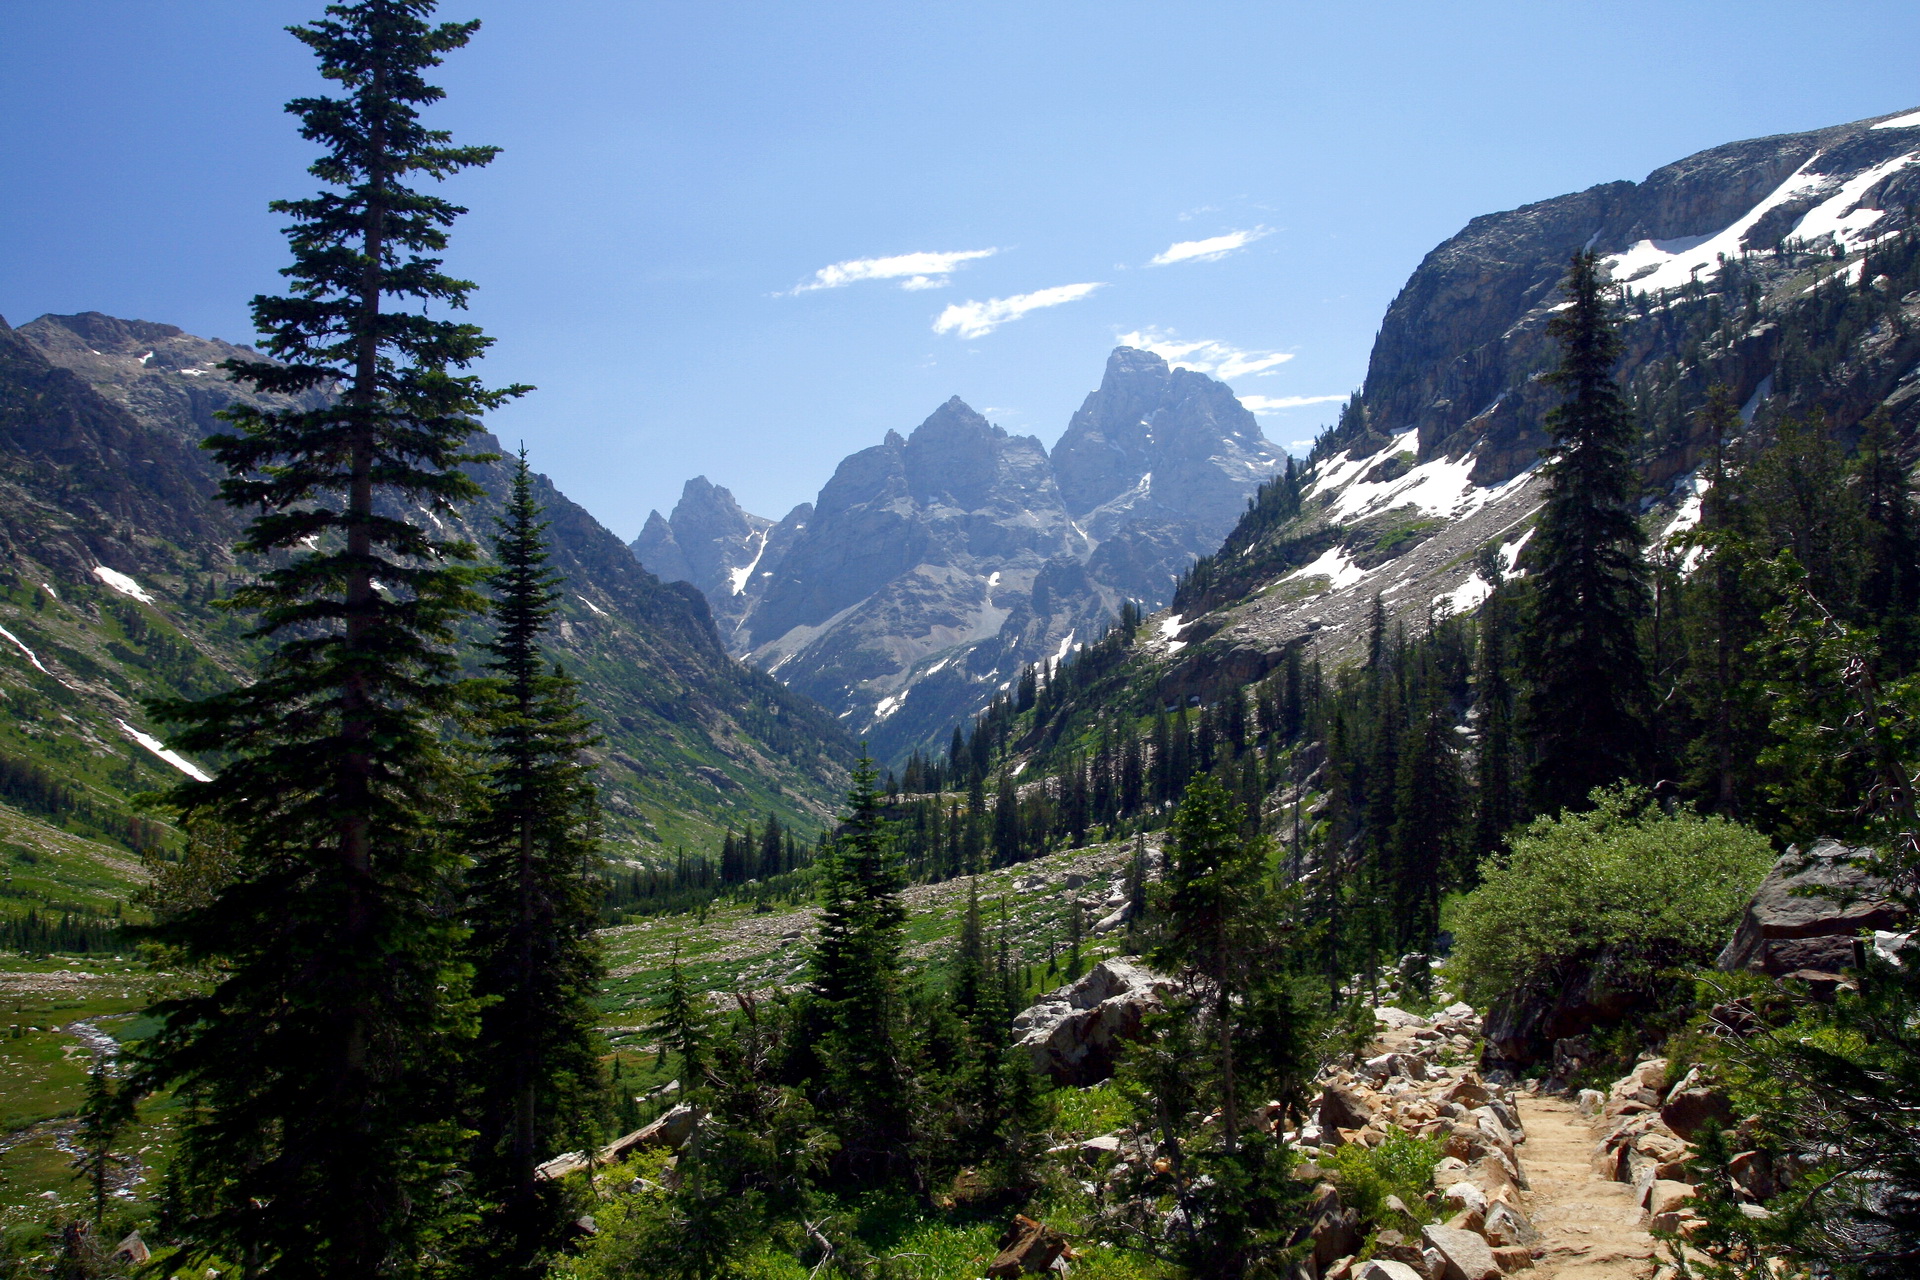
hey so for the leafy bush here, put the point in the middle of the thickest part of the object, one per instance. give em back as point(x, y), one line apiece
point(1402, 1165)
point(1645, 889)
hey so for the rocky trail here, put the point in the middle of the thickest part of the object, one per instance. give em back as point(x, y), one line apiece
point(1590, 1228)
point(1532, 1182)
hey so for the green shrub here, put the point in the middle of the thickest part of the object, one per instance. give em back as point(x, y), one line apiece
point(1649, 891)
point(1402, 1165)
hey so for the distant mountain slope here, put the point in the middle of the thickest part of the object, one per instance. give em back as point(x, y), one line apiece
point(1787, 269)
point(112, 551)
point(934, 566)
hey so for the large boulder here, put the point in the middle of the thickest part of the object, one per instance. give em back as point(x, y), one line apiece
point(1073, 1034)
point(1467, 1256)
point(1807, 912)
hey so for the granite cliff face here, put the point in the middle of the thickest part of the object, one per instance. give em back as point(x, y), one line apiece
point(1785, 268)
point(1459, 346)
point(112, 549)
point(933, 566)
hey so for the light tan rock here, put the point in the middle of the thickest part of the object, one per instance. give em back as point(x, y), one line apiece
point(1512, 1258)
point(1467, 1255)
point(1667, 1197)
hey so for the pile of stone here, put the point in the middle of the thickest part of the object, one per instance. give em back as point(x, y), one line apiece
point(1421, 1080)
point(1645, 1122)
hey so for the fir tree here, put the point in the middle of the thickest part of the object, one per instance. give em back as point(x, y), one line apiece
point(684, 1026)
point(1890, 586)
point(864, 1098)
point(532, 897)
point(1586, 698)
point(103, 1116)
point(321, 1123)
point(1428, 817)
point(1496, 799)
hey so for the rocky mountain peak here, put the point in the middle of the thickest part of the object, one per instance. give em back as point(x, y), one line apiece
point(935, 564)
point(1153, 436)
point(1458, 344)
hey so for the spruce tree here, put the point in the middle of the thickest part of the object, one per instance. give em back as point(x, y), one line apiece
point(533, 892)
point(1496, 799)
point(103, 1115)
point(320, 1123)
point(1890, 586)
point(864, 1096)
point(684, 1026)
point(1429, 814)
point(1580, 648)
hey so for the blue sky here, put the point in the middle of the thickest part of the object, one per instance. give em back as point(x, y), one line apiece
point(664, 245)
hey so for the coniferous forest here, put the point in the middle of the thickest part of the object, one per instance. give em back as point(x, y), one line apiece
point(1257, 962)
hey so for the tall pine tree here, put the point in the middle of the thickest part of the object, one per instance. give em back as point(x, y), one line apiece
point(319, 1125)
point(1580, 645)
point(533, 892)
point(863, 1097)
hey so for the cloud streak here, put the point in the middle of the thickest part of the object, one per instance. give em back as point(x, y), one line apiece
point(1205, 355)
point(1267, 405)
point(1212, 249)
point(920, 270)
point(977, 319)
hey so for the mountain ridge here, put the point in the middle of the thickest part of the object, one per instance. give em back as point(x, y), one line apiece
point(934, 566)
point(114, 548)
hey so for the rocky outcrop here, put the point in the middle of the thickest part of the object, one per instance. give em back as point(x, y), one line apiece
point(1458, 345)
point(1028, 1248)
point(671, 1131)
point(1435, 459)
point(1074, 1034)
point(1808, 912)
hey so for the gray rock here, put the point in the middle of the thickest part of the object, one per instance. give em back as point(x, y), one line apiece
point(1073, 1034)
point(1807, 912)
point(1386, 1269)
point(1342, 1109)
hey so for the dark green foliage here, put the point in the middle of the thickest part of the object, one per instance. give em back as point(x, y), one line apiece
point(104, 1115)
point(684, 1026)
point(531, 898)
point(863, 1094)
point(1586, 701)
point(317, 1070)
point(35, 933)
point(1221, 1200)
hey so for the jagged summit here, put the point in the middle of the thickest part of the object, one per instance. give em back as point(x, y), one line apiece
point(934, 565)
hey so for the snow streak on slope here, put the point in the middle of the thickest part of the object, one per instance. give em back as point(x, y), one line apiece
point(1437, 487)
point(1669, 264)
point(20, 644)
point(166, 753)
point(120, 582)
point(1335, 565)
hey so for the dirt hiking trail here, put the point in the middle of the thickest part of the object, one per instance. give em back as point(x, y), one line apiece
point(1589, 1228)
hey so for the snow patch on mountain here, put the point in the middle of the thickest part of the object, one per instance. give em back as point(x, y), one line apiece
point(120, 582)
point(166, 753)
point(1333, 564)
point(1670, 264)
point(22, 646)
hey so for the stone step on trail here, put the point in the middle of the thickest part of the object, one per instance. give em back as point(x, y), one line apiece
point(1590, 1229)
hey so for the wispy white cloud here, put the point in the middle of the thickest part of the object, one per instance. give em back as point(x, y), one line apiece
point(1212, 249)
point(977, 319)
point(920, 270)
point(1206, 355)
point(1274, 404)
